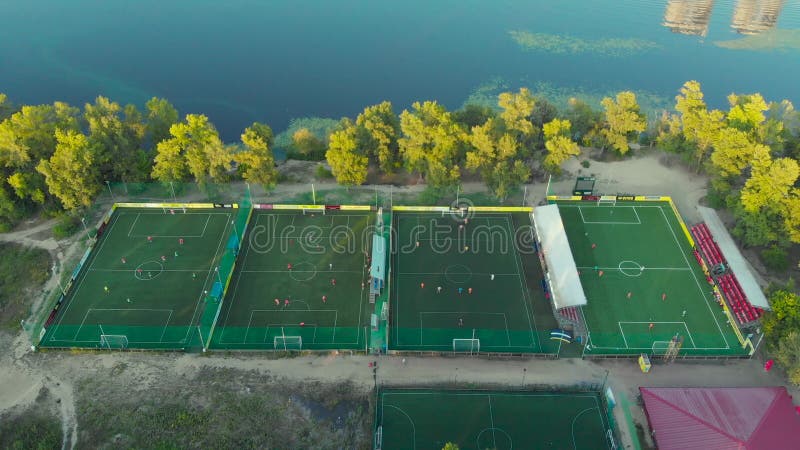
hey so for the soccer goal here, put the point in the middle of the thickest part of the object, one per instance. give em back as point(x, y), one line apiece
point(660, 348)
point(288, 343)
point(114, 341)
point(311, 212)
point(467, 345)
point(602, 201)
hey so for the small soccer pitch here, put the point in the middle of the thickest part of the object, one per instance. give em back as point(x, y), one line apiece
point(300, 283)
point(144, 284)
point(643, 286)
point(428, 419)
point(460, 285)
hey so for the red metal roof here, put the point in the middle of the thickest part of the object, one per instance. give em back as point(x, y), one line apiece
point(722, 418)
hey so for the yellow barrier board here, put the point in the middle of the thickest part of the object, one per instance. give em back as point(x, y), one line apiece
point(680, 220)
point(168, 205)
point(420, 208)
point(501, 208)
point(564, 197)
point(355, 207)
point(314, 207)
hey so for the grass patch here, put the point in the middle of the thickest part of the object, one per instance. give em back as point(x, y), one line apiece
point(33, 428)
point(222, 408)
point(22, 271)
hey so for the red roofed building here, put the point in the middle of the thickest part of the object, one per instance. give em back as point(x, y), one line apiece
point(758, 418)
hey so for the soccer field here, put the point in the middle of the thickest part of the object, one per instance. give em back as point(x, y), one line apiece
point(465, 289)
point(140, 286)
point(328, 256)
point(428, 419)
point(637, 269)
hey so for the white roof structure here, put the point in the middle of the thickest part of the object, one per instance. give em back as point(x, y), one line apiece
point(378, 270)
point(735, 259)
point(565, 285)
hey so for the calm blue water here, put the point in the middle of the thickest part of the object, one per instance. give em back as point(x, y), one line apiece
point(239, 61)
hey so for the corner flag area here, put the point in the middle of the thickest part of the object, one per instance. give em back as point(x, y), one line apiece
point(419, 418)
point(459, 284)
point(644, 288)
point(144, 284)
point(301, 282)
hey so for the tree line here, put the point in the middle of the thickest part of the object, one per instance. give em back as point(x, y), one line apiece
point(56, 157)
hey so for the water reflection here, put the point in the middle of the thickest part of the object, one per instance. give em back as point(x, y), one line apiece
point(756, 16)
point(749, 16)
point(688, 16)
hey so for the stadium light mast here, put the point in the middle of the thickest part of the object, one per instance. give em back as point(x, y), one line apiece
point(83, 221)
point(109, 190)
point(219, 278)
point(236, 232)
point(55, 274)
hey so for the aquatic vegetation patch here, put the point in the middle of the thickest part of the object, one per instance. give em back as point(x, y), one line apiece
point(767, 41)
point(561, 44)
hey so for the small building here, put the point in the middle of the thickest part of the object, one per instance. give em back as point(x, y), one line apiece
point(757, 418)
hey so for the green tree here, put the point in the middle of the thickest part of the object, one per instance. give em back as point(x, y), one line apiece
point(700, 126)
point(787, 354)
point(516, 111)
point(379, 128)
point(432, 143)
point(348, 162)
point(6, 107)
point(307, 144)
point(770, 181)
point(26, 138)
point(791, 218)
point(747, 113)
point(161, 115)
point(256, 162)
point(732, 152)
point(622, 120)
point(498, 157)
point(71, 173)
point(450, 446)
point(195, 149)
point(560, 146)
point(118, 139)
point(583, 117)
point(472, 115)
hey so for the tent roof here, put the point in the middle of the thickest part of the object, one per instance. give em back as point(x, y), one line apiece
point(565, 285)
point(735, 259)
point(721, 418)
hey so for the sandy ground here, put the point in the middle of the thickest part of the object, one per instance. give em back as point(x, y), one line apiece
point(23, 373)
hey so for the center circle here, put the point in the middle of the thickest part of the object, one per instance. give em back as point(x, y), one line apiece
point(303, 271)
point(148, 270)
point(458, 274)
point(631, 268)
point(496, 438)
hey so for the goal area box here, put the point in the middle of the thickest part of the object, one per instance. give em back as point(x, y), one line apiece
point(146, 282)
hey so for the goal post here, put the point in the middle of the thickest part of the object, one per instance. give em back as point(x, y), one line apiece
point(288, 343)
point(607, 201)
point(467, 345)
point(113, 341)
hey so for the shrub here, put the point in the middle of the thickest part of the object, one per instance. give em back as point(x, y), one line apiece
point(775, 258)
point(66, 227)
point(585, 163)
point(323, 172)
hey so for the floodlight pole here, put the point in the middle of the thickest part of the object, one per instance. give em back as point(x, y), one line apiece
point(109, 190)
point(55, 274)
point(219, 278)
point(524, 372)
point(172, 188)
point(313, 194)
point(83, 221)
point(458, 190)
point(249, 194)
point(524, 194)
point(238, 239)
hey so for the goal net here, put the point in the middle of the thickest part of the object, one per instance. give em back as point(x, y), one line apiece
point(660, 348)
point(311, 212)
point(607, 201)
point(113, 341)
point(288, 342)
point(467, 345)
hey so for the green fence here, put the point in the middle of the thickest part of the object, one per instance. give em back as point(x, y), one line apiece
point(224, 270)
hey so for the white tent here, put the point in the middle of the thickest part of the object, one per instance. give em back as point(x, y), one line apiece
point(565, 285)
